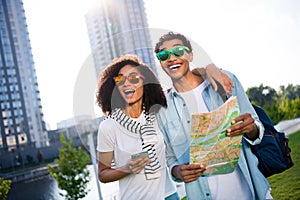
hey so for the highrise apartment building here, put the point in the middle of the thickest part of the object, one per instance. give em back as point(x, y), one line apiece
point(116, 27)
point(21, 117)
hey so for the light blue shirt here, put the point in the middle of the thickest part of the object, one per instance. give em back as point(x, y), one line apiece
point(175, 123)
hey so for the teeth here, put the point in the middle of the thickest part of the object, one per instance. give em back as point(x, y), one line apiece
point(174, 66)
point(128, 91)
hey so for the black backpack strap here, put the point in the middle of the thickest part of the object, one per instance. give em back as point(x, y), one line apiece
point(221, 91)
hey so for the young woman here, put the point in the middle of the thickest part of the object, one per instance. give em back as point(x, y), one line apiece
point(130, 94)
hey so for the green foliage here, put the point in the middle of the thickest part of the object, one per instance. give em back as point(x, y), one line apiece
point(4, 188)
point(290, 92)
point(71, 173)
point(281, 105)
point(284, 110)
point(286, 185)
point(262, 95)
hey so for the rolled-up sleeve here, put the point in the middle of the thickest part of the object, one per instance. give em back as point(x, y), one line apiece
point(261, 130)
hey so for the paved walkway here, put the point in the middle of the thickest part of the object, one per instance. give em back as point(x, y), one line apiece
point(288, 126)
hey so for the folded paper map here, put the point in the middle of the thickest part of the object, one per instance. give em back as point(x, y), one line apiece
point(209, 143)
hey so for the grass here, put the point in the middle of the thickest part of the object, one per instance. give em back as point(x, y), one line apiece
point(286, 185)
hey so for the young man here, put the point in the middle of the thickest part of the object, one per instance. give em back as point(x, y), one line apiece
point(192, 94)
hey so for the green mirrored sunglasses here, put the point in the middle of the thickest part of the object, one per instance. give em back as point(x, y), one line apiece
point(177, 52)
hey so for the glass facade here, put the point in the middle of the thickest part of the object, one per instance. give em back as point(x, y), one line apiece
point(117, 27)
point(21, 114)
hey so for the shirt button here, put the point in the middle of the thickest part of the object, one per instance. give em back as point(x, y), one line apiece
point(207, 194)
point(188, 121)
point(184, 104)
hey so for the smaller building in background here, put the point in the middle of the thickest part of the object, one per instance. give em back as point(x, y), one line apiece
point(78, 132)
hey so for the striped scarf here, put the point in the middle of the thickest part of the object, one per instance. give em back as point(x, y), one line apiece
point(147, 134)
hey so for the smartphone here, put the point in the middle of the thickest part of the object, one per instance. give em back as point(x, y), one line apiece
point(143, 154)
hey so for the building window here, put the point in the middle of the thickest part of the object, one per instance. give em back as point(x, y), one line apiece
point(11, 140)
point(22, 138)
point(6, 113)
point(8, 131)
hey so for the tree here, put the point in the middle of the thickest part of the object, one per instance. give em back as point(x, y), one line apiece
point(4, 188)
point(262, 95)
point(281, 105)
point(289, 92)
point(71, 173)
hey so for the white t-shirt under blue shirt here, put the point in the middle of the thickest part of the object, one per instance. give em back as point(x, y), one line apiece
point(225, 186)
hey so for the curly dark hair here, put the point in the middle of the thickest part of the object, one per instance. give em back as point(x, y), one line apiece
point(172, 36)
point(108, 96)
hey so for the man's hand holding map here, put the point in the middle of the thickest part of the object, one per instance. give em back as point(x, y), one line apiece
point(209, 143)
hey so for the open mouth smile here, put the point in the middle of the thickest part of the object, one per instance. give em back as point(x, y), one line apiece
point(129, 92)
point(174, 67)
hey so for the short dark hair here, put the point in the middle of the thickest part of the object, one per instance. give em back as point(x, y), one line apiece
point(172, 36)
point(108, 96)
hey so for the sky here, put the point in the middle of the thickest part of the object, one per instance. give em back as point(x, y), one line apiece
point(257, 40)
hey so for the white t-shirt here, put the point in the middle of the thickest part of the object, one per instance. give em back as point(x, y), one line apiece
point(225, 186)
point(114, 137)
point(194, 100)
